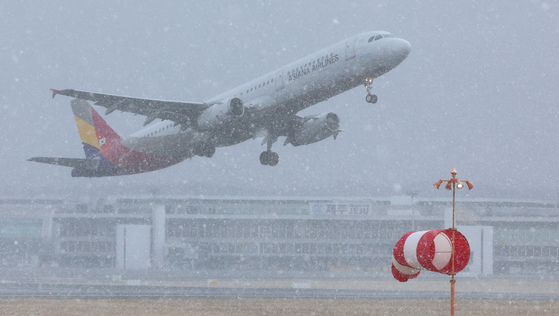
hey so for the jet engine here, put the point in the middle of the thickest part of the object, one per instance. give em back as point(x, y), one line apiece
point(314, 129)
point(222, 112)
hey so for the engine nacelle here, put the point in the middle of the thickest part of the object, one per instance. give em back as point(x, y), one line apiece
point(315, 129)
point(220, 113)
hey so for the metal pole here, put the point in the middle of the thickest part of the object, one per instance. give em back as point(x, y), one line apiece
point(453, 281)
point(453, 202)
point(451, 185)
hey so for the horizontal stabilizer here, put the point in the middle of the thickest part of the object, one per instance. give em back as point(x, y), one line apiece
point(68, 162)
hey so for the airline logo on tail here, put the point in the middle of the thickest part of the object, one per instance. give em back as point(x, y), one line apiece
point(97, 137)
point(86, 127)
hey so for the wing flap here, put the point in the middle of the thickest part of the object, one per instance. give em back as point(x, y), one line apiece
point(68, 162)
point(180, 112)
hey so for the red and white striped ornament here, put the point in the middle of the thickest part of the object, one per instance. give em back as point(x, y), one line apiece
point(429, 250)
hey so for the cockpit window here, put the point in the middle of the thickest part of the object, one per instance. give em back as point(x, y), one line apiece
point(375, 38)
point(380, 36)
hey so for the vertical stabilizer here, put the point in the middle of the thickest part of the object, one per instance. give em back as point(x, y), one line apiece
point(96, 135)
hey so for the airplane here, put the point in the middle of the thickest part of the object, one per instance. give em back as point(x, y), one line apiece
point(264, 107)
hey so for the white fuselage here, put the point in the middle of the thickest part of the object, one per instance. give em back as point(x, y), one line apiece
point(315, 78)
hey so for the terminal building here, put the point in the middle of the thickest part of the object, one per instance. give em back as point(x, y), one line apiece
point(269, 233)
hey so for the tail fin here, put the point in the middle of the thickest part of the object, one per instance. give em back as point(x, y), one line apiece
point(96, 135)
point(97, 138)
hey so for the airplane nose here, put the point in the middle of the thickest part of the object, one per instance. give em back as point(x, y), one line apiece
point(399, 49)
point(403, 48)
point(392, 52)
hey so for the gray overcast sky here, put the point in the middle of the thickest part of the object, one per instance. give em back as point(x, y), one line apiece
point(477, 93)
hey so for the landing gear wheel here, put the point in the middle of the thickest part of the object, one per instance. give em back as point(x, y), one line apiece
point(264, 157)
point(269, 158)
point(274, 159)
point(371, 98)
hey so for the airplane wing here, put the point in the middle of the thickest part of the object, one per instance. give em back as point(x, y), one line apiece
point(178, 112)
point(67, 162)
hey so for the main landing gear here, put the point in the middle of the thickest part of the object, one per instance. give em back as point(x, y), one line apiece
point(370, 98)
point(268, 157)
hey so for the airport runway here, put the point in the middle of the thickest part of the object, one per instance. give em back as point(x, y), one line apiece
point(78, 291)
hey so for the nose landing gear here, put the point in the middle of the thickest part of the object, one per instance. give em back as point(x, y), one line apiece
point(370, 98)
